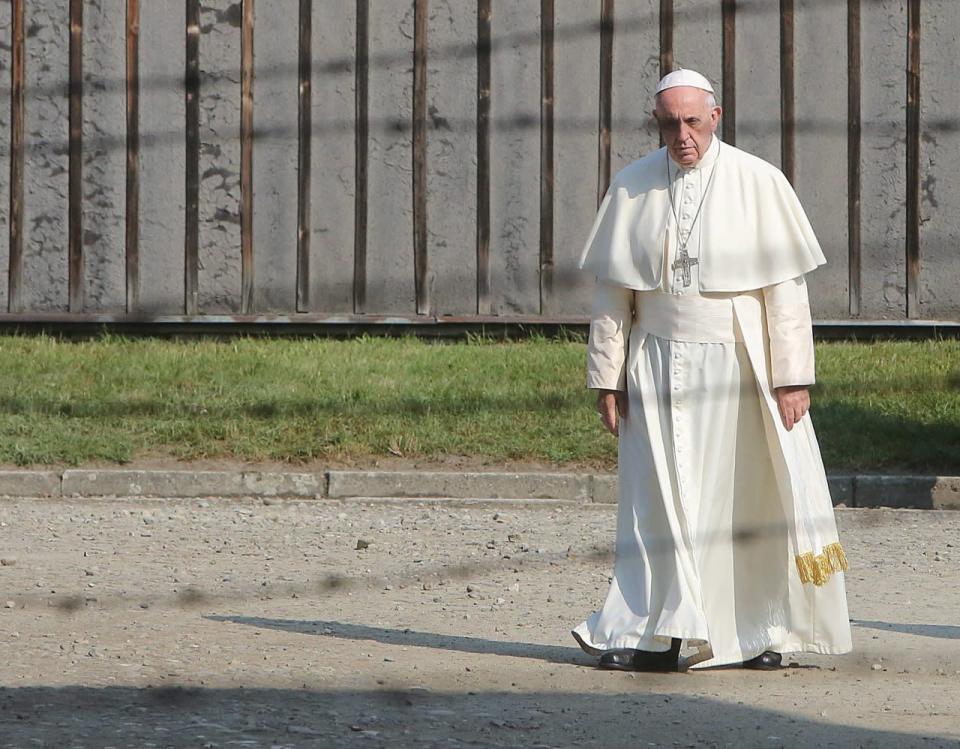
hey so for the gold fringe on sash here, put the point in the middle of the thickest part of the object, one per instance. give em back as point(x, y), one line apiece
point(817, 569)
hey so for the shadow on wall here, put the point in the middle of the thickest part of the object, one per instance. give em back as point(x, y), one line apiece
point(400, 716)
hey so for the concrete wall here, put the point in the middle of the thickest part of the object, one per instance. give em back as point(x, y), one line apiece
point(515, 169)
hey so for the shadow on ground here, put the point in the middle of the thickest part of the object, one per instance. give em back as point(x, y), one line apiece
point(413, 638)
point(400, 716)
point(943, 631)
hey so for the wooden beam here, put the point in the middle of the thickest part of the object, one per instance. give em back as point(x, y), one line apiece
point(304, 144)
point(913, 159)
point(75, 280)
point(246, 156)
point(483, 154)
point(421, 279)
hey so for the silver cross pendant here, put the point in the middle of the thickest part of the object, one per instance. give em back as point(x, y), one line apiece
point(684, 264)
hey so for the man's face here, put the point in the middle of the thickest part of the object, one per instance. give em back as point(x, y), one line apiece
point(687, 123)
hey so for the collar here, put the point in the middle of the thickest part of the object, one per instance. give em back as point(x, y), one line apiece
point(708, 160)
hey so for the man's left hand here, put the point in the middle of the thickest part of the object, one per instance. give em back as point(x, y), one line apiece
point(793, 402)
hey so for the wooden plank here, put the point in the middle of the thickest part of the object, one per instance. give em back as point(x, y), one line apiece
point(132, 185)
point(547, 23)
point(636, 72)
point(191, 76)
point(362, 159)
point(787, 92)
point(913, 158)
point(666, 37)
point(729, 79)
point(75, 158)
point(854, 139)
point(6, 150)
point(514, 164)
point(883, 163)
point(246, 157)
point(390, 282)
point(333, 168)
point(484, 77)
point(577, 101)
point(451, 144)
point(937, 297)
point(162, 165)
point(304, 143)
point(420, 255)
point(17, 107)
point(219, 261)
point(46, 261)
point(275, 153)
point(103, 254)
point(606, 97)
point(821, 145)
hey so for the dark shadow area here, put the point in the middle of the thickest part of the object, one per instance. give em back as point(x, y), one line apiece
point(412, 638)
point(408, 716)
point(943, 631)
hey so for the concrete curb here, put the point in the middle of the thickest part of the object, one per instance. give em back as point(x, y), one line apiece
point(921, 492)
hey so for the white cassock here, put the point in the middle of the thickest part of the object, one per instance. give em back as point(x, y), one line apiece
point(725, 530)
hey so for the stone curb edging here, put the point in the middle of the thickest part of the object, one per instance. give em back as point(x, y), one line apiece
point(922, 492)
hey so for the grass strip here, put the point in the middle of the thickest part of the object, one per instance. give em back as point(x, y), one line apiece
point(892, 406)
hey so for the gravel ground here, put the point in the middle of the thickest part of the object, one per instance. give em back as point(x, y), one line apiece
point(250, 624)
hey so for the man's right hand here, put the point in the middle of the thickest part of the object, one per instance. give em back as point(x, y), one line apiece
point(612, 406)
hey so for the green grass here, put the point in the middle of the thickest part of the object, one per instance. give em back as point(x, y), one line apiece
point(889, 406)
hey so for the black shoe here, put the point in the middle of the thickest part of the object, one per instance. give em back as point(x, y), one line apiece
point(643, 660)
point(766, 661)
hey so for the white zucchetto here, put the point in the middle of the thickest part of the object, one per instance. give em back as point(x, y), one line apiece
point(683, 77)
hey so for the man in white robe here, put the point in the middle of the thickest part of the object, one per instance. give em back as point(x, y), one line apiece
point(701, 350)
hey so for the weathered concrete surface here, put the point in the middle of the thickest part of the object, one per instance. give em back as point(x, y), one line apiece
point(188, 623)
point(883, 158)
point(939, 161)
point(123, 483)
point(332, 157)
point(6, 54)
point(390, 285)
point(46, 130)
point(576, 102)
point(820, 37)
point(162, 165)
point(486, 485)
point(636, 71)
point(104, 156)
point(275, 156)
point(758, 78)
point(698, 39)
point(931, 492)
point(219, 279)
point(278, 484)
point(452, 157)
point(515, 159)
point(30, 484)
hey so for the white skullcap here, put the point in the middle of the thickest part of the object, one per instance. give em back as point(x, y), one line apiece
point(684, 77)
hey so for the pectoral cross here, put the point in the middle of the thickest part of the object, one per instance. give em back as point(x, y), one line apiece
point(684, 264)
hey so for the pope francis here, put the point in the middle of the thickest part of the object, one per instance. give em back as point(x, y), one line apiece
point(701, 353)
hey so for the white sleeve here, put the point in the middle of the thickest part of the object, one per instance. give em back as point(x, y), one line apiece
point(609, 332)
point(791, 333)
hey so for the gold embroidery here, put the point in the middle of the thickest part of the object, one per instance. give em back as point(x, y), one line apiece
point(818, 569)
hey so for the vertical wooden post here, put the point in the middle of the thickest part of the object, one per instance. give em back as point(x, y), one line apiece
point(606, 96)
point(666, 37)
point(75, 156)
point(191, 222)
point(421, 280)
point(547, 62)
point(132, 218)
point(362, 152)
point(17, 75)
point(913, 159)
point(854, 140)
point(483, 155)
point(246, 157)
point(304, 143)
point(787, 91)
point(730, 72)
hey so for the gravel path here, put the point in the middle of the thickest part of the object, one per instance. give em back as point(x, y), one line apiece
point(251, 624)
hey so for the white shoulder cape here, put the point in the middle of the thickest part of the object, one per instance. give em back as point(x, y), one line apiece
point(754, 230)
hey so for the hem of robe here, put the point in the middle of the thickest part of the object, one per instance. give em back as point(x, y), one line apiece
point(660, 642)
